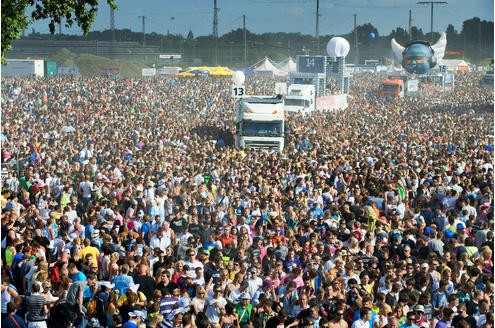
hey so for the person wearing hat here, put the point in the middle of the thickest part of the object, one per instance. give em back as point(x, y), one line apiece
point(94, 323)
point(419, 310)
point(135, 319)
point(244, 309)
point(101, 298)
point(235, 294)
point(173, 319)
point(141, 300)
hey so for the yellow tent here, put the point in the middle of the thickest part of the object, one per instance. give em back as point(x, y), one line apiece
point(186, 74)
point(221, 71)
point(213, 71)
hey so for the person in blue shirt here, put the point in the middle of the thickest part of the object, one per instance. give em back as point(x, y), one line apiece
point(410, 318)
point(316, 209)
point(135, 319)
point(12, 320)
point(90, 228)
point(439, 296)
point(123, 280)
point(77, 275)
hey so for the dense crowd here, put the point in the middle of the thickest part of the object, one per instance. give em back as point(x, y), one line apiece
point(125, 204)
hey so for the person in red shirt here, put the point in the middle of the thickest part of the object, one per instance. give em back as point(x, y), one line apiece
point(420, 318)
point(226, 238)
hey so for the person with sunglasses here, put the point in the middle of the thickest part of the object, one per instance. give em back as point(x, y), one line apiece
point(215, 304)
point(338, 321)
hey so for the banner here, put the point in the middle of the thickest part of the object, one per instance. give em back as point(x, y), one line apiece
point(110, 72)
point(67, 70)
point(148, 72)
point(168, 70)
point(331, 103)
point(412, 86)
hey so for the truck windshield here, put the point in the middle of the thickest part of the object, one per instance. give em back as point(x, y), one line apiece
point(268, 129)
point(296, 102)
point(487, 81)
point(390, 87)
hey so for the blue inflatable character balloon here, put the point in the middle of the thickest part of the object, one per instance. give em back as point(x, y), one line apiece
point(419, 57)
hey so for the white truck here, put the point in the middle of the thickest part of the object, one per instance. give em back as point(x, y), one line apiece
point(23, 67)
point(300, 98)
point(260, 123)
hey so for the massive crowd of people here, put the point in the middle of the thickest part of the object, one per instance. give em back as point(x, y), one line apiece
point(121, 208)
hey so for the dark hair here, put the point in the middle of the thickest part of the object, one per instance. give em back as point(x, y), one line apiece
point(447, 312)
point(364, 311)
point(202, 320)
point(117, 319)
point(11, 307)
point(91, 276)
point(229, 308)
point(36, 287)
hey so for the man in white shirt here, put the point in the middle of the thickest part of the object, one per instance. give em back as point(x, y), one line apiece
point(159, 240)
point(364, 319)
point(215, 305)
point(85, 188)
point(254, 281)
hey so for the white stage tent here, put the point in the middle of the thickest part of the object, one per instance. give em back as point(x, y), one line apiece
point(266, 67)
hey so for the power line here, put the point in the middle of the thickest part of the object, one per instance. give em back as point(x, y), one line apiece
point(317, 33)
point(215, 19)
point(112, 22)
point(144, 30)
point(431, 14)
point(215, 29)
point(410, 25)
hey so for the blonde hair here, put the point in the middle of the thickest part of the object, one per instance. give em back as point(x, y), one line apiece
point(156, 320)
point(77, 255)
point(114, 256)
point(200, 289)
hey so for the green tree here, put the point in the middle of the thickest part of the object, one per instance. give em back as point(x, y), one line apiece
point(417, 34)
point(400, 35)
point(17, 15)
point(364, 31)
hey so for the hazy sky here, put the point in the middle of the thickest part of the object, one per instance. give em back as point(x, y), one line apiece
point(177, 17)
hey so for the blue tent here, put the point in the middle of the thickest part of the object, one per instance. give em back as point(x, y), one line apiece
point(245, 70)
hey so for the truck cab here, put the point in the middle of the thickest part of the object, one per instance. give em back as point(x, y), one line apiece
point(260, 123)
point(392, 89)
point(300, 98)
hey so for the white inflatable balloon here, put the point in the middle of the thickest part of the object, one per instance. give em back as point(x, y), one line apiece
point(238, 78)
point(338, 47)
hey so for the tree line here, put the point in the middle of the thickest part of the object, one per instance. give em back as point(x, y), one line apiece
point(474, 42)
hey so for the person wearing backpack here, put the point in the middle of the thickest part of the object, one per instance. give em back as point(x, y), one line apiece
point(101, 298)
